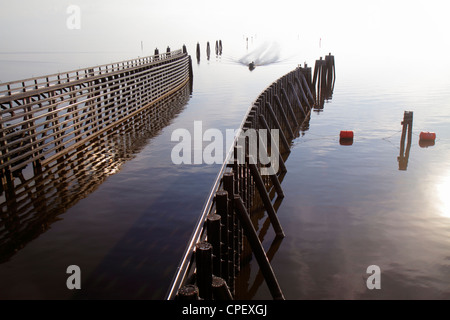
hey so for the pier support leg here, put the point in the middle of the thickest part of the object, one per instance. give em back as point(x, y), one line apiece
point(258, 250)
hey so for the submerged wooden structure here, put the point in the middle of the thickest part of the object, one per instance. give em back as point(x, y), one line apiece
point(212, 259)
point(61, 135)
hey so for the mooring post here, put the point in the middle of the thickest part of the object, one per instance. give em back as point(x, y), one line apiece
point(220, 289)
point(188, 292)
point(258, 250)
point(203, 261)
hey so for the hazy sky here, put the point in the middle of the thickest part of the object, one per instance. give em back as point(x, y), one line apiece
point(414, 30)
point(41, 25)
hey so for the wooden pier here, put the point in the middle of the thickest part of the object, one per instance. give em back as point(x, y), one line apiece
point(43, 119)
point(63, 134)
point(224, 232)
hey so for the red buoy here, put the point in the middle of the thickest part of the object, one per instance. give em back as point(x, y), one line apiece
point(427, 136)
point(346, 134)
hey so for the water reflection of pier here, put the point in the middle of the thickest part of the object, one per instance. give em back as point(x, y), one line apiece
point(34, 203)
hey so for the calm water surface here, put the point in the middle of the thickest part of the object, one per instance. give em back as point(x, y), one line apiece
point(346, 207)
point(349, 207)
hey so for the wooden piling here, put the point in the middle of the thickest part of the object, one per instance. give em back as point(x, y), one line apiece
point(213, 228)
point(227, 254)
point(258, 250)
point(203, 261)
point(221, 292)
point(289, 106)
point(188, 292)
point(284, 116)
point(198, 52)
point(278, 127)
point(300, 106)
point(274, 148)
point(266, 200)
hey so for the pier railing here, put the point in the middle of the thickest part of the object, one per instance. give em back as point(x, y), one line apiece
point(45, 118)
point(212, 259)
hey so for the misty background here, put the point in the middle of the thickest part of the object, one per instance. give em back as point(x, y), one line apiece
point(35, 40)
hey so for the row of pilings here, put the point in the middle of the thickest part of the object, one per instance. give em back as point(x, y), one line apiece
point(218, 50)
point(225, 233)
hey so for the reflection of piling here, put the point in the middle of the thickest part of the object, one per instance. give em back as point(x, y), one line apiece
point(217, 48)
point(220, 47)
point(407, 128)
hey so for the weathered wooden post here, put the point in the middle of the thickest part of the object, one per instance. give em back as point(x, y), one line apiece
point(203, 261)
point(278, 127)
point(188, 292)
point(227, 264)
point(282, 165)
point(208, 50)
point(407, 127)
point(213, 231)
point(220, 289)
point(198, 52)
point(289, 106)
point(284, 116)
point(300, 106)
